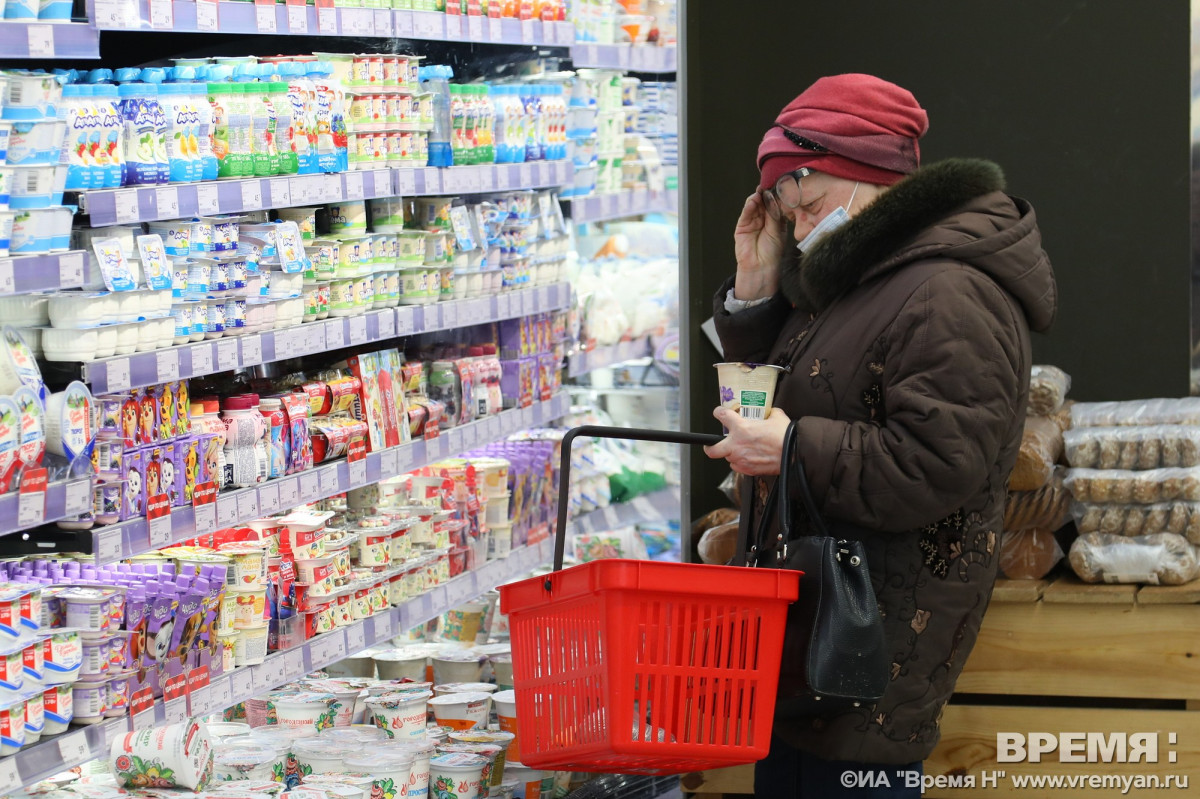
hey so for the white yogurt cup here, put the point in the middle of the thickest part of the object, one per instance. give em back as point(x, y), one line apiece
point(185, 749)
point(401, 664)
point(58, 703)
point(457, 773)
point(35, 715)
point(456, 666)
point(308, 711)
point(250, 648)
point(464, 687)
point(322, 755)
point(12, 724)
point(389, 770)
point(462, 711)
point(506, 715)
point(750, 387)
point(402, 715)
point(243, 760)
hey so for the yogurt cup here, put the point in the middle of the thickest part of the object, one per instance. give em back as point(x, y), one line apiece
point(748, 387)
point(400, 715)
point(35, 715)
point(456, 666)
point(360, 735)
point(249, 607)
point(218, 730)
point(69, 427)
point(243, 760)
point(390, 771)
point(95, 660)
point(12, 724)
point(462, 624)
point(500, 740)
point(308, 711)
point(462, 711)
point(322, 755)
point(401, 664)
point(356, 665)
point(506, 715)
point(348, 699)
point(58, 704)
point(464, 688)
point(502, 668)
point(177, 755)
point(456, 773)
point(226, 649)
point(87, 608)
point(249, 567)
point(87, 699)
point(528, 781)
point(250, 646)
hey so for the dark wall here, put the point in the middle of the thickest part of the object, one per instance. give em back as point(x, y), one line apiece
point(1084, 104)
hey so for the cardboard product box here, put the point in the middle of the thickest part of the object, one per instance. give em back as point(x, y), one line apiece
point(517, 380)
point(369, 407)
point(392, 395)
point(297, 441)
point(189, 468)
point(133, 472)
point(147, 416)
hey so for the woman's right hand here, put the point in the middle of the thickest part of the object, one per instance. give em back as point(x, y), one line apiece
point(758, 244)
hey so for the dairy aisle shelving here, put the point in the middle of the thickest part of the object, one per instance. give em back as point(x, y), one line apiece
point(630, 202)
point(580, 363)
point(659, 506)
point(43, 40)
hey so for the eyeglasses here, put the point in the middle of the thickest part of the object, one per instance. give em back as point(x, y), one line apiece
point(785, 194)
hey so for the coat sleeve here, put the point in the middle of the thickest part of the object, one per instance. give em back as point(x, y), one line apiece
point(951, 386)
point(748, 335)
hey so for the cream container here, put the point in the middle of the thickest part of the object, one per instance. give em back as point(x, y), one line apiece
point(358, 665)
point(322, 755)
point(389, 770)
point(250, 646)
point(182, 750)
point(250, 607)
point(35, 715)
point(58, 709)
point(12, 724)
point(311, 712)
point(527, 782)
point(81, 309)
point(317, 572)
point(358, 735)
point(402, 715)
point(243, 760)
point(249, 567)
point(450, 666)
point(87, 699)
point(464, 687)
point(460, 773)
point(73, 345)
point(401, 664)
point(27, 310)
point(462, 711)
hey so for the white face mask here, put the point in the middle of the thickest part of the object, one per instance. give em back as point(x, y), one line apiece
point(838, 217)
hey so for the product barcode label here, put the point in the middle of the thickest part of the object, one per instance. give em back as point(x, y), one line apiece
point(753, 412)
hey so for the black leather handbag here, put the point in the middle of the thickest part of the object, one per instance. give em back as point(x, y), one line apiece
point(834, 655)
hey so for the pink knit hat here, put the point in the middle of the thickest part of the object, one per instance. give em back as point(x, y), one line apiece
point(854, 126)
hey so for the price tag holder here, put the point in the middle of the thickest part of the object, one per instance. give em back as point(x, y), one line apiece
point(502, 306)
point(113, 728)
point(475, 29)
point(388, 464)
point(202, 360)
point(528, 31)
point(227, 355)
point(358, 329)
point(252, 189)
point(526, 173)
point(198, 690)
point(327, 25)
point(207, 198)
point(227, 512)
point(158, 518)
point(78, 497)
point(404, 458)
point(385, 626)
point(454, 28)
point(297, 23)
point(31, 505)
point(328, 648)
point(330, 484)
point(310, 486)
point(141, 708)
point(289, 492)
point(167, 201)
point(207, 18)
point(41, 41)
point(251, 350)
point(7, 284)
point(496, 30)
point(109, 546)
point(335, 334)
point(403, 24)
point(162, 14)
point(384, 24)
point(405, 320)
point(74, 749)
point(355, 639)
point(293, 664)
point(126, 202)
point(281, 192)
point(167, 364)
point(354, 185)
point(268, 499)
point(264, 16)
point(204, 507)
point(241, 684)
point(356, 459)
point(387, 324)
point(221, 692)
point(247, 504)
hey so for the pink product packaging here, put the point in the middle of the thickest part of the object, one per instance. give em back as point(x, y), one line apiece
point(133, 470)
point(147, 416)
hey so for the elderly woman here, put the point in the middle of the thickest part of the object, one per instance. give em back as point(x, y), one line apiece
point(902, 312)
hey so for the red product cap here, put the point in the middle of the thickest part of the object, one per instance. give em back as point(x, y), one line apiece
point(489, 349)
point(212, 406)
point(237, 404)
point(475, 352)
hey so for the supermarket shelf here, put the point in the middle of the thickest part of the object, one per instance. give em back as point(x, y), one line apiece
point(605, 207)
point(300, 19)
point(175, 201)
point(660, 506)
point(209, 357)
point(583, 362)
point(640, 58)
point(24, 274)
point(79, 745)
point(48, 40)
point(133, 537)
point(63, 498)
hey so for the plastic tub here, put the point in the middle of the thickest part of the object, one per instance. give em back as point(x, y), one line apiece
point(456, 666)
point(457, 772)
point(243, 760)
point(250, 607)
point(58, 709)
point(401, 715)
point(307, 711)
point(36, 143)
point(390, 770)
point(29, 96)
point(322, 755)
point(462, 711)
point(87, 699)
point(36, 187)
point(35, 715)
point(12, 724)
point(250, 647)
point(38, 231)
point(401, 664)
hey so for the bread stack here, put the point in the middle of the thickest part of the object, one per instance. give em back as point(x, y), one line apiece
point(1038, 504)
point(1135, 481)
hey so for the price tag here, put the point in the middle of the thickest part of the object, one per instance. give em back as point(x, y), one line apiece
point(158, 517)
point(428, 25)
point(202, 360)
point(385, 626)
point(162, 14)
point(167, 200)
point(31, 506)
point(329, 648)
point(298, 187)
point(175, 710)
point(405, 320)
point(330, 484)
point(127, 205)
point(404, 458)
point(70, 271)
point(496, 30)
point(251, 350)
point(264, 16)
point(168, 365)
point(502, 310)
point(388, 464)
point(113, 729)
point(528, 31)
point(355, 639)
point(475, 29)
point(78, 497)
point(384, 24)
point(281, 194)
point(356, 21)
point(74, 749)
point(357, 463)
point(207, 199)
point(335, 334)
point(200, 700)
point(293, 664)
point(227, 354)
point(406, 182)
point(289, 492)
point(227, 515)
point(327, 22)
point(283, 344)
point(387, 324)
point(310, 486)
point(247, 505)
point(526, 171)
point(207, 18)
point(7, 284)
point(108, 546)
point(252, 189)
point(354, 185)
point(454, 29)
point(268, 499)
point(205, 512)
point(450, 315)
point(241, 684)
point(358, 329)
point(221, 692)
point(41, 41)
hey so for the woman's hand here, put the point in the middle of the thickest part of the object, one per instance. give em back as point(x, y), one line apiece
point(758, 243)
point(752, 447)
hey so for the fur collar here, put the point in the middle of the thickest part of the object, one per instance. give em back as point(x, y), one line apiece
point(837, 263)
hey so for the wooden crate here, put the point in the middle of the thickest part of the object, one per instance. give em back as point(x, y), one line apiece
point(1120, 651)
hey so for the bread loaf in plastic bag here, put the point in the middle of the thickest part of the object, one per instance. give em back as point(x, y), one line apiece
point(1159, 559)
point(1041, 446)
point(1133, 448)
point(1180, 518)
point(1122, 487)
point(1048, 507)
point(1029, 554)
point(1181, 410)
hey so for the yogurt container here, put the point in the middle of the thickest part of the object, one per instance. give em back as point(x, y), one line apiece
point(390, 771)
point(499, 740)
point(87, 608)
point(462, 711)
point(58, 709)
point(35, 715)
point(87, 699)
point(177, 755)
point(12, 665)
point(249, 567)
point(243, 760)
point(401, 664)
point(307, 711)
point(69, 427)
point(457, 666)
point(218, 730)
point(360, 735)
point(323, 755)
point(457, 773)
point(250, 646)
point(464, 687)
point(750, 387)
point(12, 724)
point(17, 365)
point(401, 715)
point(528, 781)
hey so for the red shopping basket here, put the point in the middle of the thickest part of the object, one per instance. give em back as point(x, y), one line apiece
point(639, 667)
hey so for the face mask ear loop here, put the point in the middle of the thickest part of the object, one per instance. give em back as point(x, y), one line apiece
point(856, 185)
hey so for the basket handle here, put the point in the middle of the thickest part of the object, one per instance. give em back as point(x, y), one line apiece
point(597, 431)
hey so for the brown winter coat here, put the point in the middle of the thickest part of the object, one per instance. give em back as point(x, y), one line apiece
point(909, 377)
